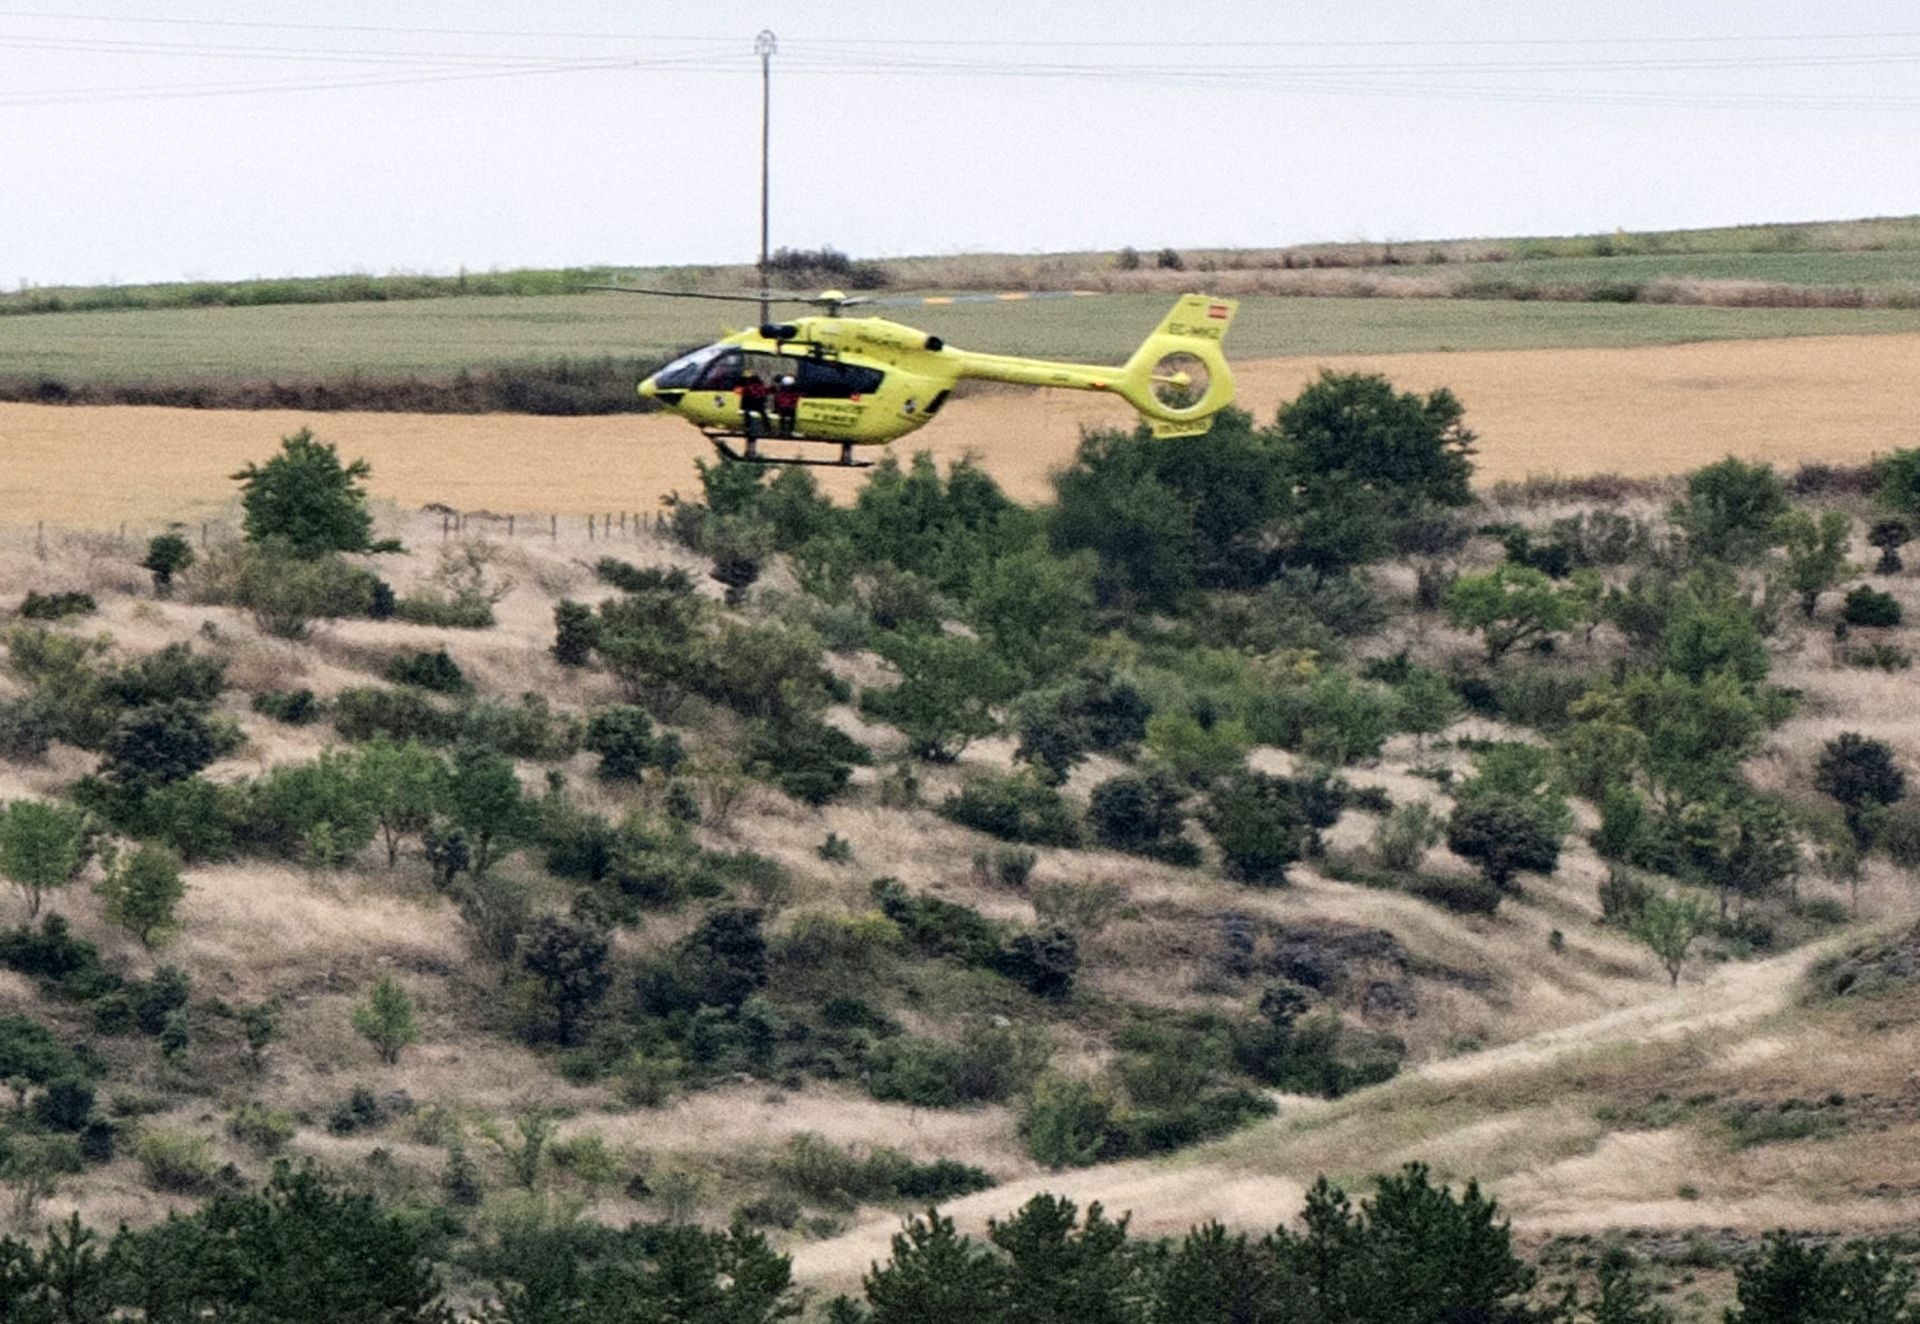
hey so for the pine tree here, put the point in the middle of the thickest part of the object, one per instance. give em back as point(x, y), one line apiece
point(386, 1019)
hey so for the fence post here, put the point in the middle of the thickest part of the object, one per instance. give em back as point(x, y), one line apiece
point(40, 540)
point(589, 528)
point(509, 526)
point(203, 535)
point(553, 527)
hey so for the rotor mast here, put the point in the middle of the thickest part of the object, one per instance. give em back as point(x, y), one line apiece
point(765, 45)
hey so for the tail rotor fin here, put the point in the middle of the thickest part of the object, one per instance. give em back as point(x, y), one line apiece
point(1179, 379)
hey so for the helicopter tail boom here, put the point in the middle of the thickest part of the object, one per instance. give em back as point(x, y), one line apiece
point(1179, 379)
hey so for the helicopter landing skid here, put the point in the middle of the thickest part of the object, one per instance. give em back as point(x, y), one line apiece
point(752, 455)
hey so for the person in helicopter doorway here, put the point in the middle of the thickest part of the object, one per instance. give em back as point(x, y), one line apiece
point(753, 408)
point(786, 403)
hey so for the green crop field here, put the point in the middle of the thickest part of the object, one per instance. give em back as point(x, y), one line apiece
point(439, 337)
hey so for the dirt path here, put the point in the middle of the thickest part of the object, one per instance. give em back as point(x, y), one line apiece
point(1645, 411)
point(1169, 1197)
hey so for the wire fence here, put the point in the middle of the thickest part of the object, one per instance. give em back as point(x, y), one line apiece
point(441, 522)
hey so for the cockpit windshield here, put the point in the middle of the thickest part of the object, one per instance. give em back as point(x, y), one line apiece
point(684, 371)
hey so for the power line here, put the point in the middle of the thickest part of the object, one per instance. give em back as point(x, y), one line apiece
point(837, 58)
point(1022, 42)
point(265, 25)
point(269, 53)
point(192, 92)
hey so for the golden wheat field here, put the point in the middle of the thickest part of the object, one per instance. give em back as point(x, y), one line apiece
point(1643, 411)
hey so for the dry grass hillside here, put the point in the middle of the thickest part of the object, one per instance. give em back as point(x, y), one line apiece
point(1538, 1048)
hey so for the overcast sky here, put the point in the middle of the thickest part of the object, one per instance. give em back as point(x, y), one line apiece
point(296, 138)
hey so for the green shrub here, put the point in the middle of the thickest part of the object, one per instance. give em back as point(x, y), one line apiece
point(1195, 751)
point(1731, 509)
point(262, 1129)
point(160, 998)
point(1878, 656)
point(576, 632)
point(1512, 605)
point(1332, 719)
point(174, 674)
point(307, 501)
point(1147, 1131)
point(27, 728)
point(386, 1019)
point(629, 578)
point(434, 671)
point(288, 593)
point(1404, 836)
point(167, 555)
point(51, 953)
point(1067, 1122)
point(1543, 700)
point(1311, 1054)
point(1260, 825)
point(1141, 813)
point(988, 1065)
point(463, 609)
point(43, 847)
point(359, 1111)
point(1016, 808)
point(1622, 897)
point(623, 738)
point(1463, 896)
point(1900, 834)
point(159, 744)
point(293, 707)
point(1042, 962)
point(939, 927)
point(1871, 608)
point(823, 1173)
point(763, 669)
point(1009, 866)
point(37, 606)
point(195, 817)
point(948, 688)
point(65, 1105)
point(1889, 535)
point(316, 812)
point(805, 757)
point(176, 1162)
point(835, 953)
point(30, 1055)
point(141, 891)
point(526, 729)
point(371, 712)
point(1505, 835)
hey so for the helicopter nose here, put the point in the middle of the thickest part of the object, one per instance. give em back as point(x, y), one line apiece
point(648, 389)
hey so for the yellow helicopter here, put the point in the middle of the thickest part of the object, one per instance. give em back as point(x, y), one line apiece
point(864, 381)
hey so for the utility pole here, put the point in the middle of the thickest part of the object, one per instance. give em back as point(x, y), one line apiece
point(764, 46)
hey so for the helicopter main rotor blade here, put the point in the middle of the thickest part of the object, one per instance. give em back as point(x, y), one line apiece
point(945, 300)
point(694, 294)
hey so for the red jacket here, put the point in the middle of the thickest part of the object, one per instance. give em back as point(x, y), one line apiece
point(753, 395)
point(786, 398)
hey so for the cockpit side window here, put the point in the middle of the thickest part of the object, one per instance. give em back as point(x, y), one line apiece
point(684, 371)
point(723, 374)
